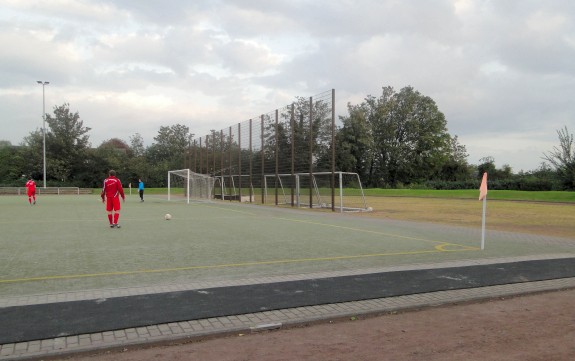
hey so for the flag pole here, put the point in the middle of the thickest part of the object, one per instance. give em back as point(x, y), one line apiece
point(483, 197)
point(483, 223)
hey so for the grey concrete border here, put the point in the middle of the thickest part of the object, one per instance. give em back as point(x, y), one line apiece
point(180, 332)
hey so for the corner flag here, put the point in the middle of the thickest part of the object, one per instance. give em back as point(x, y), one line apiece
point(483, 187)
point(483, 197)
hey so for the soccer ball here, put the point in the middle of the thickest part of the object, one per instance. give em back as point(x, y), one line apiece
point(167, 217)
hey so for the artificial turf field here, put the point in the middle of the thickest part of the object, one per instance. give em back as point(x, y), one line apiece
point(63, 243)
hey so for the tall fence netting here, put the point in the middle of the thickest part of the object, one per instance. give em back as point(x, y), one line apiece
point(275, 158)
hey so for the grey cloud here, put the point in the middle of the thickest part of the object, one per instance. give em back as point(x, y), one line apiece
point(497, 68)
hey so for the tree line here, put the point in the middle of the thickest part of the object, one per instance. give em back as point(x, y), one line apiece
point(398, 139)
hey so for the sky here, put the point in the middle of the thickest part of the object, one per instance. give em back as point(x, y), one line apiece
point(501, 71)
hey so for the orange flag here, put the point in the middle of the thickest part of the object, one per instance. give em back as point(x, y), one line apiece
point(483, 188)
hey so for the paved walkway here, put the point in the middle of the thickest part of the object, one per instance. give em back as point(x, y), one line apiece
point(255, 322)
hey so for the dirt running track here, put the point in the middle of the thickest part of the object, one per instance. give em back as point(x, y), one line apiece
point(527, 328)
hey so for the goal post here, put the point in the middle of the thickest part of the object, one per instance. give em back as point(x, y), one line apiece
point(294, 189)
point(185, 184)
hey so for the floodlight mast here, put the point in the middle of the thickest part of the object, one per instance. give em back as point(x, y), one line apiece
point(44, 83)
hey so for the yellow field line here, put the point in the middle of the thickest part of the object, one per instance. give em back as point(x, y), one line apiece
point(369, 231)
point(342, 227)
point(438, 249)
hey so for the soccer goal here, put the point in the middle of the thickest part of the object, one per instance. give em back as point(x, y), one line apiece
point(315, 191)
point(185, 184)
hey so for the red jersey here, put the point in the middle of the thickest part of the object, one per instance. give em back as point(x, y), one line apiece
point(112, 188)
point(31, 185)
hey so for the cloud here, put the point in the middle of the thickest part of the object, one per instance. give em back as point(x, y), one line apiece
point(501, 71)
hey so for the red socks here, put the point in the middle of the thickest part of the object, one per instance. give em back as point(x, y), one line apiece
point(116, 216)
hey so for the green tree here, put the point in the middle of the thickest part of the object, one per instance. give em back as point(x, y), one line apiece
point(562, 158)
point(355, 144)
point(137, 161)
point(308, 133)
point(456, 168)
point(33, 152)
point(137, 145)
point(13, 165)
point(172, 142)
point(67, 143)
point(411, 142)
point(487, 164)
point(116, 153)
point(169, 152)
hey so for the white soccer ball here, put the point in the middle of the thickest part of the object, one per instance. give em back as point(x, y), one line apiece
point(167, 217)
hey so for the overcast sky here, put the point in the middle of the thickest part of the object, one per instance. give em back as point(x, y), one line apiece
point(502, 71)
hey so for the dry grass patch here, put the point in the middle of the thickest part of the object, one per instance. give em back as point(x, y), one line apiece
point(552, 219)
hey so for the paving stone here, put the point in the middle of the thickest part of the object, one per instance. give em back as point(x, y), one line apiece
point(299, 314)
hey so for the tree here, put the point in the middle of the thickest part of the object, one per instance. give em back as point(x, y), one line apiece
point(116, 154)
point(33, 152)
point(562, 158)
point(411, 142)
point(172, 142)
point(137, 145)
point(67, 143)
point(13, 165)
point(456, 167)
point(168, 152)
point(487, 164)
point(318, 127)
point(355, 144)
point(137, 164)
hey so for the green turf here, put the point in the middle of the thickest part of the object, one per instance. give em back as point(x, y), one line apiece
point(543, 196)
point(539, 196)
point(64, 243)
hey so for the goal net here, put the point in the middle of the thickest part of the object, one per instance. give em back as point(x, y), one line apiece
point(185, 184)
point(316, 191)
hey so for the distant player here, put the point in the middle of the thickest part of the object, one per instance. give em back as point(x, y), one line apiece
point(31, 187)
point(141, 189)
point(111, 193)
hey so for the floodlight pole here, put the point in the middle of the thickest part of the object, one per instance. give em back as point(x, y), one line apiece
point(44, 83)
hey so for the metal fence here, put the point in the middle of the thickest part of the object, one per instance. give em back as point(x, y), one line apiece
point(250, 160)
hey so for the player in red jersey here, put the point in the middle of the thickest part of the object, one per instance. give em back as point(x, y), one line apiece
point(31, 186)
point(111, 193)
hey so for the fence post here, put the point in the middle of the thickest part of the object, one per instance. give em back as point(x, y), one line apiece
point(251, 155)
point(230, 162)
point(310, 152)
point(262, 155)
point(195, 154)
point(240, 161)
point(333, 150)
point(201, 157)
point(292, 121)
point(222, 162)
point(276, 160)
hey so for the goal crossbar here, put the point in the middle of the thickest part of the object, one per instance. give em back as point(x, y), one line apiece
point(196, 185)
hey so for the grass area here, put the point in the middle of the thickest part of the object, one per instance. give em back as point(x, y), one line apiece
point(543, 218)
point(64, 242)
point(542, 196)
point(545, 213)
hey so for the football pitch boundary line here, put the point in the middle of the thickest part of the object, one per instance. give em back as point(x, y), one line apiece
point(341, 227)
point(437, 249)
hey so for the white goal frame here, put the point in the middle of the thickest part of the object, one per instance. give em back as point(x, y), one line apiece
point(319, 200)
point(196, 185)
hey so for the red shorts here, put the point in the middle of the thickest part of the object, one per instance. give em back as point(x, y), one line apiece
point(113, 204)
point(31, 193)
